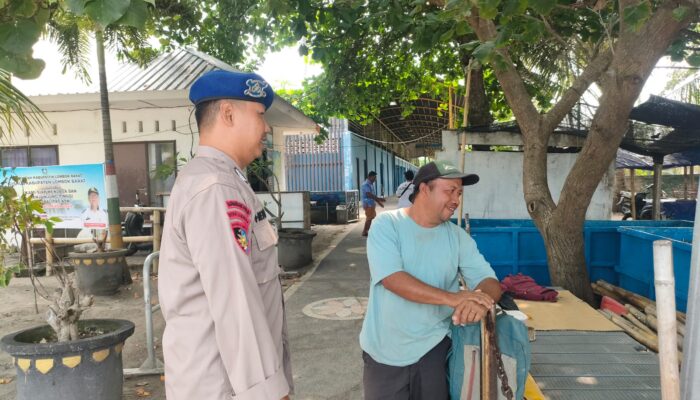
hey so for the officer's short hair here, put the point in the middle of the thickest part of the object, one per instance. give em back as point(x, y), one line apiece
point(204, 113)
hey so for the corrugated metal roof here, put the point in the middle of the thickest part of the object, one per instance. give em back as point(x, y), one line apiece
point(175, 70)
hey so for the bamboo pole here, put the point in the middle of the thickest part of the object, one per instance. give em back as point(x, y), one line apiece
point(48, 239)
point(666, 306)
point(630, 317)
point(633, 298)
point(651, 310)
point(450, 111)
point(156, 238)
point(633, 206)
point(463, 135)
point(639, 335)
point(127, 239)
point(605, 292)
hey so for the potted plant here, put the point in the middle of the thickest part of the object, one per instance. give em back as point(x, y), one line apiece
point(294, 245)
point(100, 271)
point(68, 358)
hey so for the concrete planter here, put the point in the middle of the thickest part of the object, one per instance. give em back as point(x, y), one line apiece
point(88, 368)
point(294, 247)
point(100, 273)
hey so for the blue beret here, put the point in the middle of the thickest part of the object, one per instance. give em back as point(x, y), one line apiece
point(220, 84)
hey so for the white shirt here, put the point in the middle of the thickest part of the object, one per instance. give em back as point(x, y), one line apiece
point(94, 219)
point(403, 198)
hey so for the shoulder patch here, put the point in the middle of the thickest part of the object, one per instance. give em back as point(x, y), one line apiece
point(241, 236)
point(239, 219)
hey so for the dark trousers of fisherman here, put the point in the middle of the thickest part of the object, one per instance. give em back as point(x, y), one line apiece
point(424, 380)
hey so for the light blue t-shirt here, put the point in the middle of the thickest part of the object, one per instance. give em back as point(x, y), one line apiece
point(367, 187)
point(397, 331)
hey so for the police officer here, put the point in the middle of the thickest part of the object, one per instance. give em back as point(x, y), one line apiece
point(94, 217)
point(225, 334)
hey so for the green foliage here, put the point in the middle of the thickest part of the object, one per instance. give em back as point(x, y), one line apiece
point(636, 15)
point(21, 24)
point(168, 167)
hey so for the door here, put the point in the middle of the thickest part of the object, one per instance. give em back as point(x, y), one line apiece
point(131, 160)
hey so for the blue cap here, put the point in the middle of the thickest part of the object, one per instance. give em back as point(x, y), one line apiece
point(221, 84)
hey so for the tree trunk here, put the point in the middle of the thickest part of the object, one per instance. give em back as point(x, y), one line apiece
point(563, 237)
point(115, 229)
point(479, 105)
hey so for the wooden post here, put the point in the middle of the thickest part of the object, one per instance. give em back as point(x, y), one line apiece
point(463, 136)
point(48, 243)
point(666, 313)
point(450, 113)
point(633, 195)
point(156, 239)
point(685, 183)
point(656, 205)
point(693, 184)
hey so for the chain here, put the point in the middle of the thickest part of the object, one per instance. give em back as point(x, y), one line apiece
point(500, 370)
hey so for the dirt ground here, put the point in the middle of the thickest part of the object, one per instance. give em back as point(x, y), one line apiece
point(17, 312)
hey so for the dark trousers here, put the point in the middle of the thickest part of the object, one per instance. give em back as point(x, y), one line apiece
point(424, 380)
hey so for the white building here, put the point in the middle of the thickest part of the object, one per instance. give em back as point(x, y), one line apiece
point(499, 193)
point(152, 121)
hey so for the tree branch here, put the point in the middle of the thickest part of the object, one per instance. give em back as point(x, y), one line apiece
point(518, 98)
point(577, 89)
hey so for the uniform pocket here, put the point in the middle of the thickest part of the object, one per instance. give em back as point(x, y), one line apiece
point(264, 234)
point(263, 254)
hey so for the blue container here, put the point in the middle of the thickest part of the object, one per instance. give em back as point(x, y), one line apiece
point(515, 245)
point(636, 268)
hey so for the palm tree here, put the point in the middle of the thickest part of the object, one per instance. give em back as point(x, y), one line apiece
point(16, 110)
point(71, 30)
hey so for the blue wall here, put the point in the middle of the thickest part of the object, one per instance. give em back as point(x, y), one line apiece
point(389, 168)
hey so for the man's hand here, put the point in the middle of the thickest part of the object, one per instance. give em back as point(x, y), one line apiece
point(285, 397)
point(470, 306)
point(381, 201)
point(467, 312)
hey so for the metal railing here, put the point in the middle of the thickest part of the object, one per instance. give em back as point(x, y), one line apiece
point(152, 366)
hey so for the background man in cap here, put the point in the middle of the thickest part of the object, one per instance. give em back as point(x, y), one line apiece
point(94, 217)
point(415, 255)
point(370, 200)
point(225, 333)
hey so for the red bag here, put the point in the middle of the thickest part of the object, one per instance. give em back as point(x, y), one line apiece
point(524, 287)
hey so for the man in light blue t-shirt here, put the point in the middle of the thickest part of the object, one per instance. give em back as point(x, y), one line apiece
point(415, 255)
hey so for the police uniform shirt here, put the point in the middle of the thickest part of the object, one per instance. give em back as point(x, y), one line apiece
point(225, 334)
point(94, 218)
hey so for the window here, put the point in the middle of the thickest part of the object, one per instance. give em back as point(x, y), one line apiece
point(161, 153)
point(28, 156)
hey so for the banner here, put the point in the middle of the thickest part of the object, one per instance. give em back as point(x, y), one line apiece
point(74, 193)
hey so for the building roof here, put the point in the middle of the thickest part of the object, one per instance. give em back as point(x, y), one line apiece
point(176, 70)
point(167, 79)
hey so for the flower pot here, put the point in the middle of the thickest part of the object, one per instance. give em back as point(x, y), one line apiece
point(294, 247)
point(100, 273)
point(89, 368)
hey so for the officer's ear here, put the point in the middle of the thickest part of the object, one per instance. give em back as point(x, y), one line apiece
point(227, 112)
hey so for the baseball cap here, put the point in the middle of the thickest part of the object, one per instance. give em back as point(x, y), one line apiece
point(221, 84)
point(93, 190)
point(441, 169)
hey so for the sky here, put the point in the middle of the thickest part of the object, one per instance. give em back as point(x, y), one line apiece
point(285, 68)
